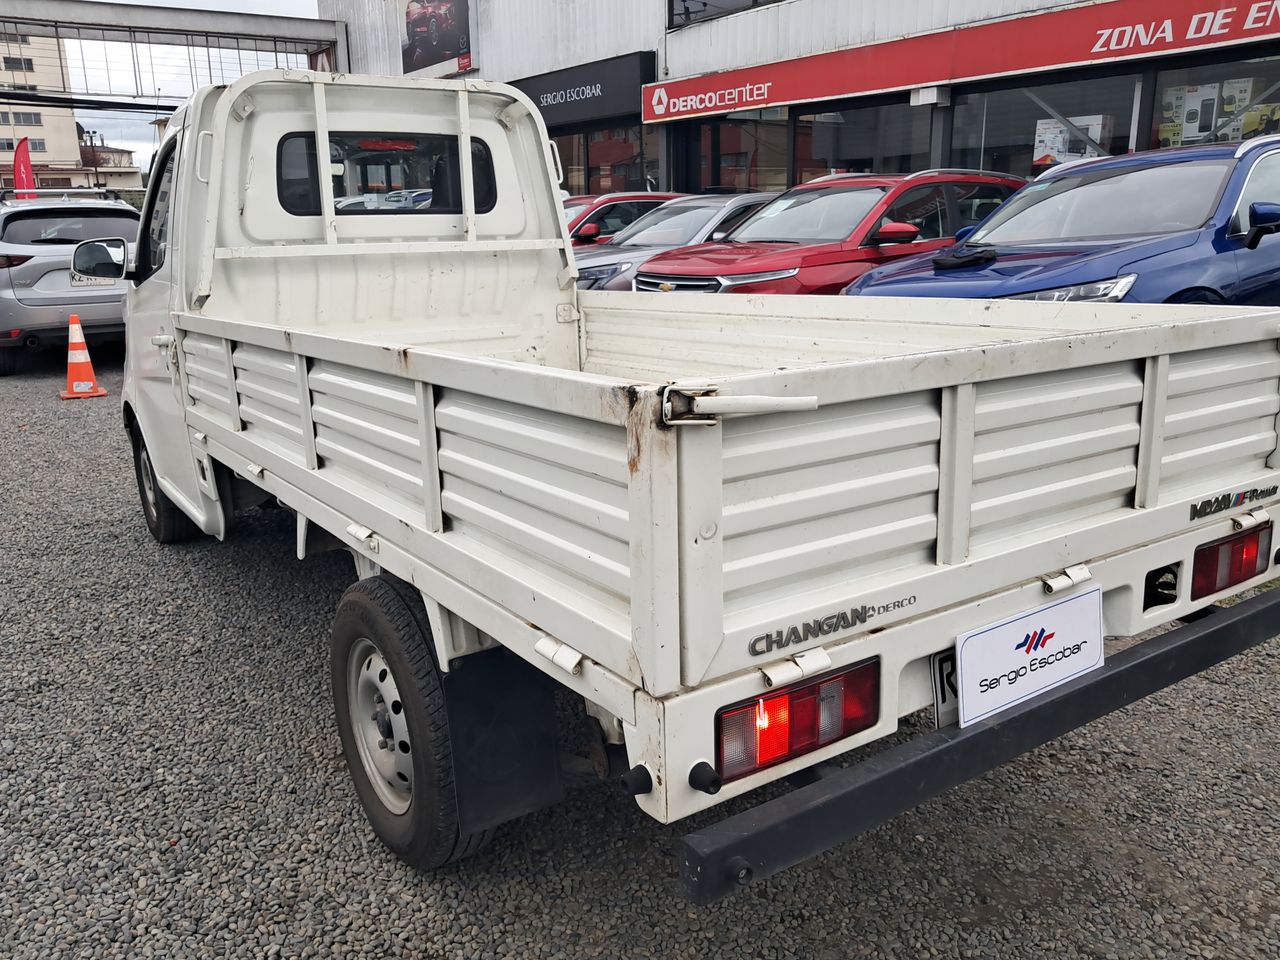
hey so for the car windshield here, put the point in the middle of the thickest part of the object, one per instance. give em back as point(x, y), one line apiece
point(816, 215)
point(1166, 198)
point(668, 226)
point(69, 227)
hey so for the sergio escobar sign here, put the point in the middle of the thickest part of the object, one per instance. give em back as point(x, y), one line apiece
point(601, 90)
point(1091, 33)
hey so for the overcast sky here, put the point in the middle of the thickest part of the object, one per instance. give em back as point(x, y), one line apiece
point(104, 69)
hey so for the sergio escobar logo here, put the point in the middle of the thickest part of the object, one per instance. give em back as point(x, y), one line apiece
point(1033, 642)
point(744, 95)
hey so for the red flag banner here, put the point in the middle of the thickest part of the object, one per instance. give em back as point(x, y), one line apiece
point(23, 176)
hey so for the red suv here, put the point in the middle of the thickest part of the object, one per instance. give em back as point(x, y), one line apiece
point(821, 236)
point(594, 219)
point(433, 24)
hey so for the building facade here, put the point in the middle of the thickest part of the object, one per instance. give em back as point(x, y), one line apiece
point(28, 64)
point(762, 94)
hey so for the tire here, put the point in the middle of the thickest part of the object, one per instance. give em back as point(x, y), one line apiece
point(166, 522)
point(380, 646)
point(8, 361)
point(433, 32)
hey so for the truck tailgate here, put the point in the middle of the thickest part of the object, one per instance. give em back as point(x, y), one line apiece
point(933, 472)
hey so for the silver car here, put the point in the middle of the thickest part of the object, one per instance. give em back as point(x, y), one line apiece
point(677, 223)
point(37, 291)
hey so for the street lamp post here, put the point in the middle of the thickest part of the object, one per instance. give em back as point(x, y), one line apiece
point(93, 152)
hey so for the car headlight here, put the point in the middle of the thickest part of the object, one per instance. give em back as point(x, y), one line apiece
point(758, 277)
point(1104, 291)
point(593, 277)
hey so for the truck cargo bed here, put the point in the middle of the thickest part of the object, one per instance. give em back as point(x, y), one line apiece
point(955, 449)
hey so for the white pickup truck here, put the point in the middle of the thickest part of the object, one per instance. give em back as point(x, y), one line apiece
point(747, 534)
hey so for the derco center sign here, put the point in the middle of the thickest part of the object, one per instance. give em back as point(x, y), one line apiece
point(1102, 32)
point(713, 101)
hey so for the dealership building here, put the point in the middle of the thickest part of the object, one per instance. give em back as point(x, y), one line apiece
point(732, 95)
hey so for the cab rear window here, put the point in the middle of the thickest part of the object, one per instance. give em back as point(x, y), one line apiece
point(68, 227)
point(382, 173)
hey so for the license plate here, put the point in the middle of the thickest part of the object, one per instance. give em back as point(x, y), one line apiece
point(1011, 661)
point(946, 688)
point(79, 281)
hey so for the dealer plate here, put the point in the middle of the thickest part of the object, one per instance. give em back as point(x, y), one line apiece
point(81, 281)
point(1011, 661)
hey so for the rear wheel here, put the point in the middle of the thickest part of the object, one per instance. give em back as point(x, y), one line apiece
point(391, 717)
point(8, 361)
point(166, 522)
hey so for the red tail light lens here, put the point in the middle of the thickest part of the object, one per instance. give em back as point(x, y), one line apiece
point(1232, 560)
point(796, 720)
point(13, 261)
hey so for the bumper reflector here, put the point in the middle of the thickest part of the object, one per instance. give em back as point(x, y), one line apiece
point(796, 720)
point(1231, 560)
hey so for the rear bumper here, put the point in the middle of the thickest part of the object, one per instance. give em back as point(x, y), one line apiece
point(848, 801)
point(48, 322)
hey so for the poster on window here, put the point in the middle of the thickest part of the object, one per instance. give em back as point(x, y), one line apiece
point(1200, 112)
point(436, 39)
point(1057, 143)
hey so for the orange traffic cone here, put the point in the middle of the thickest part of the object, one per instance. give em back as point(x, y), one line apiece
point(80, 379)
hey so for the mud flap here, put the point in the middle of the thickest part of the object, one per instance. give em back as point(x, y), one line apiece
point(502, 727)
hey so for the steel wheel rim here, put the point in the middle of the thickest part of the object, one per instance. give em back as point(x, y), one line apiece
point(378, 726)
point(148, 482)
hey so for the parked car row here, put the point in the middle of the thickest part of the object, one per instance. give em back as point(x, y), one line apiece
point(815, 238)
point(681, 222)
point(1180, 225)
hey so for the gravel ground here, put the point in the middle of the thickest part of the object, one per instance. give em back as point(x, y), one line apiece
point(171, 783)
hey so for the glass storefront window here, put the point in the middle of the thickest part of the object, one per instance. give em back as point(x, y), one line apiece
point(753, 151)
point(681, 12)
point(738, 153)
point(609, 160)
point(1222, 103)
point(887, 139)
point(573, 152)
point(1025, 130)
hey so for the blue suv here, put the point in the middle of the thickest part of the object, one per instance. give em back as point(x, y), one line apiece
point(1183, 225)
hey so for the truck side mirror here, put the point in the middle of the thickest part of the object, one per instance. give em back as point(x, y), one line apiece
point(100, 259)
point(1264, 220)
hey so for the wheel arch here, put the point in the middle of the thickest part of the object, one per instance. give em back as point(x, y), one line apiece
point(130, 421)
point(1200, 294)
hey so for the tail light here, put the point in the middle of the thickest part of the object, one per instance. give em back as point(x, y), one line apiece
point(796, 720)
point(12, 261)
point(1231, 560)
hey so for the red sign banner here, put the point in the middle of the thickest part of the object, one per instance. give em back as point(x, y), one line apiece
point(1101, 32)
point(23, 174)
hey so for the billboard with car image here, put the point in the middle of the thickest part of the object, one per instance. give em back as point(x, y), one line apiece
point(436, 40)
